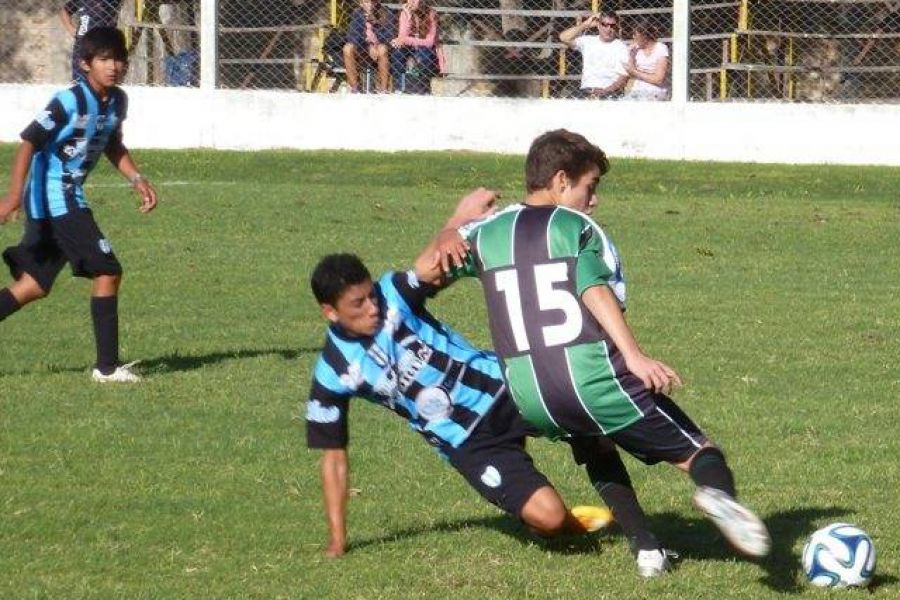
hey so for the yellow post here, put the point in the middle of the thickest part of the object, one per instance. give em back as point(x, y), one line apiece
point(790, 62)
point(723, 73)
point(333, 12)
point(595, 6)
point(744, 16)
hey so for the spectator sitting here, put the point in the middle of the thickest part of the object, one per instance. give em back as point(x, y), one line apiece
point(648, 64)
point(416, 47)
point(370, 32)
point(604, 56)
point(80, 16)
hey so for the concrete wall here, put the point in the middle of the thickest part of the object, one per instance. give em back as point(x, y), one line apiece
point(785, 133)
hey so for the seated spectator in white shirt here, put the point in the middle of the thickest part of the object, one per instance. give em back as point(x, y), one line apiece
point(604, 56)
point(648, 65)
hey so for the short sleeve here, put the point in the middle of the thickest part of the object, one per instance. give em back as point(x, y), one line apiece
point(326, 417)
point(662, 51)
point(46, 125)
point(578, 44)
point(592, 267)
point(413, 292)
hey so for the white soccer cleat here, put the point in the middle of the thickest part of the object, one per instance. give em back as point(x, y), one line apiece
point(743, 529)
point(592, 518)
point(653, 563)
point(122, 374)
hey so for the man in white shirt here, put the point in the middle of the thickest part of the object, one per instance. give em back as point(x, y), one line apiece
point(604, 56)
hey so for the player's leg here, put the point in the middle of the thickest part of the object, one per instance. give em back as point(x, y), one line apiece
point(34, 265)
point(91, 256)
point(666, 433)
point(494, 462)
point(610, 478)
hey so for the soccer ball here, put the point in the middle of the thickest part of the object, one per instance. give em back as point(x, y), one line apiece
point(839, 555)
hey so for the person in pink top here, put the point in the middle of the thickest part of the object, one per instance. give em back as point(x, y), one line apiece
point(415, 59)
point(648, 64)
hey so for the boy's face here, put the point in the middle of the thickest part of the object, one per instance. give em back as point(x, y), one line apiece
point(356, 310)
point(104, 71)
point(581, 195)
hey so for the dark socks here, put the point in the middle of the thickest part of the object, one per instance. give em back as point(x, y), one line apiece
point(105, 314)
point(709, 468)
point(610, 478)
point(8, 303)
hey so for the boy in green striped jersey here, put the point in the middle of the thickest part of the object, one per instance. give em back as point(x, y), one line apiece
point(555, 292)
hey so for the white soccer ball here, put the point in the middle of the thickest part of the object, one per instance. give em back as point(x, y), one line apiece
point(839, 555)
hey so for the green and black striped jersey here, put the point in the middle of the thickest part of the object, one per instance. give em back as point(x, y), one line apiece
point(564, 373)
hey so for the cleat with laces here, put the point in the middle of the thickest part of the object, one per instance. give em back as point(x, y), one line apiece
point(592, 518)
point(653, 563)
point(122, 374)
point(743, 529)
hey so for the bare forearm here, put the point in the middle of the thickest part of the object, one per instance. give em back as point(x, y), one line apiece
point(66, 19)
point(19, 174)
point(335, 470)
point(568, 36)
point(602, 304)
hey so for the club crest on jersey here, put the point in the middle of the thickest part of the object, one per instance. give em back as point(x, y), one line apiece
point(101, 122)
point(317, 413)
point(45, 120)
point(433, 404)
point(491, 477)
point(81, 122)
point(105, 246)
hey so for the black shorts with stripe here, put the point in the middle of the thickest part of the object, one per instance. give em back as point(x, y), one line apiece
point(48, 244)
point(494, 461)
point(664, 433)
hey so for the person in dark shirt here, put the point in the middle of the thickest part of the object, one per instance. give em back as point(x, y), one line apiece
point(369, 35)
point(80, 16)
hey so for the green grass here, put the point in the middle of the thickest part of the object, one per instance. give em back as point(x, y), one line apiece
point(774, 290)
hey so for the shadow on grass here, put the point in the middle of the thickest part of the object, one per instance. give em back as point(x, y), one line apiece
point(693, 539)
point(566, 544)
point(175, 362)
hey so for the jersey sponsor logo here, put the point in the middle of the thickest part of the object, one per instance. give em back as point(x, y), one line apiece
point(491, 477)
point(74, 147)
point(82, 121)
point(317, 413)
point(45, 120)
point(433, 404)
point(101, 122)
point(105, 246)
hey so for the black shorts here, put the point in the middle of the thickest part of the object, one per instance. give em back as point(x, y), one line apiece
point(664, 433)
point(494, 461)
point(49, 243)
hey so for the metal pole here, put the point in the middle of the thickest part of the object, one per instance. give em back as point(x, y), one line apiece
point(681, 31)
point(209, 17)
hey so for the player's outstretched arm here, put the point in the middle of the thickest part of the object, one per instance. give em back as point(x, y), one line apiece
point(21, 163)
point(602, 304)
point(121, 159)
point(335, 469)
point(448, 248)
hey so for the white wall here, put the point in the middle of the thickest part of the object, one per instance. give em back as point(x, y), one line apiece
point(785, 133)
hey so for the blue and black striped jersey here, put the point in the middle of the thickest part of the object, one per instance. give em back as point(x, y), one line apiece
point(414, 365)
point(69, 137)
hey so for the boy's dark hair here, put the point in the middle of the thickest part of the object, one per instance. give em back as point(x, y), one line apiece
point(103, 41)
point(608, 14)
point(334, 274)
point(560, 150)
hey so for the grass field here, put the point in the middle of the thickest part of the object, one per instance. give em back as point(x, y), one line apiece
point(774, 290)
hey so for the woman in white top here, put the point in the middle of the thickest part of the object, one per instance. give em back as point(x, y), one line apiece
point(648, 65)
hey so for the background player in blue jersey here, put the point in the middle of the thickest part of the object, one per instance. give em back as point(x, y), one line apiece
point(383, 345)
point(60, 148)
point(80, 16)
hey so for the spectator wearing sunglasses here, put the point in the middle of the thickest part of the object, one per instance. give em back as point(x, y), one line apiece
point(604, 55)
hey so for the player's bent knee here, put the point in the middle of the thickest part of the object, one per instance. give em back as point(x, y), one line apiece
point(545, 513)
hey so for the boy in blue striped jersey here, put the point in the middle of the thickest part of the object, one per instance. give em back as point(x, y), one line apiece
point(384, 346)
point(58, 151)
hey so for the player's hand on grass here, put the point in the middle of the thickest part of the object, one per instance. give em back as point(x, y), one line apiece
point(336, 549)
point(656, 375)
point(8, 208)
point(147, 194)
point(478, 204)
